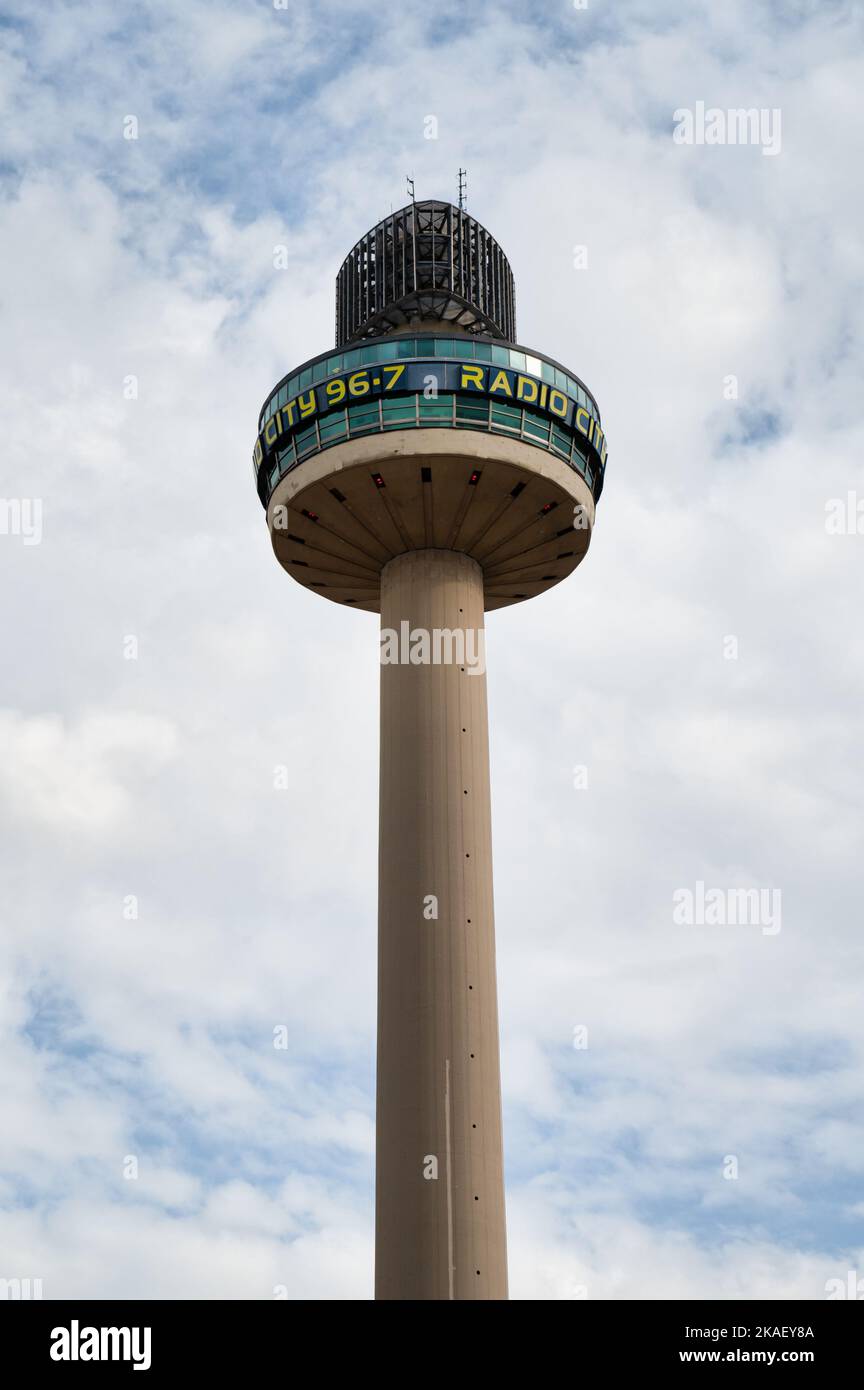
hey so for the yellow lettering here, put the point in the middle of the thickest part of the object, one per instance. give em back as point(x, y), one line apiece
point(504, 384)
point(473, 377)
point(524, 385)
point(269, 438)
point(289, 411)
point(544, 391)
point(558, 403)
point(580, 410)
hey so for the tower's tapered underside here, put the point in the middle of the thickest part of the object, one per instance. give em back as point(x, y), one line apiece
point(440, 1231)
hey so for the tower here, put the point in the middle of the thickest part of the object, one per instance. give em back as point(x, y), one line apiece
point(429, 469)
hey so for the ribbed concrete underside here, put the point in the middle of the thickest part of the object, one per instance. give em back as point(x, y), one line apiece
point(333, 527)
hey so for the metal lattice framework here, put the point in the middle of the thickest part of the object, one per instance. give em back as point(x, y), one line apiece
point(428, 261)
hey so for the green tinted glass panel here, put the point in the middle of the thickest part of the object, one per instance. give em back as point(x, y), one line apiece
point(561, 442)
point(440, 410)
point(398, 410)
point(561, 380)
point(507, 416)
point(463, 347)
point(482, 352)
point(538, 429)
point(403, 348)
point(332, 428)
point(319, 371)
point(306, 441)
point(547, 373)
point(470, 411)
point(363, 417)
point(517, 361)
point(425, 347)
point(501, 357)
point(305, 379)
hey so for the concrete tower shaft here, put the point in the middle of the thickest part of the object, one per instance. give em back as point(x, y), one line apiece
point(440, 1230)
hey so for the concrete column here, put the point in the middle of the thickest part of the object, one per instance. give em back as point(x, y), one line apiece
point(439, 1089)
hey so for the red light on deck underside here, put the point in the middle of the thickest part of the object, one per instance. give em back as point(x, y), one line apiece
point(378, 480)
